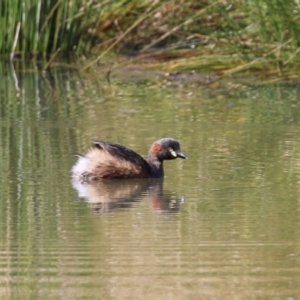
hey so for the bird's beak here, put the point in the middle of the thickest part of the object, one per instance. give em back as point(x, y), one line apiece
point(180, 155)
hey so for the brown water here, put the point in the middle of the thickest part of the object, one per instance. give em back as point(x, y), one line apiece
point(223, 224)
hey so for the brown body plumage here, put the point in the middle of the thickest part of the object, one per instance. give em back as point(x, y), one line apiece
point(114, 161)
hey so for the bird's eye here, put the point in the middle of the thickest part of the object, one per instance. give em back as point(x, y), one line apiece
point(173, 153)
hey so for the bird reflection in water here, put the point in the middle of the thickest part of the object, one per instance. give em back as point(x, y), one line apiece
point(108, 195)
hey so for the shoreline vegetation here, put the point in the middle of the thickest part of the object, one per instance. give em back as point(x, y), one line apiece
point(226, 38)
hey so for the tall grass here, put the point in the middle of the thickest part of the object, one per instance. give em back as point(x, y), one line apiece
point(37, 27)
point(43, 26)
point(237, 35)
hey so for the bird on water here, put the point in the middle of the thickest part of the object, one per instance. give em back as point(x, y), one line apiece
point(113, 161)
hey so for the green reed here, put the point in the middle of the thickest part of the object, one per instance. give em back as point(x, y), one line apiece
point(37, 27)
point(41, 28)
point(250, 34)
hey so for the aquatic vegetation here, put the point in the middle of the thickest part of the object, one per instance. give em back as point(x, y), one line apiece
point(228, 37)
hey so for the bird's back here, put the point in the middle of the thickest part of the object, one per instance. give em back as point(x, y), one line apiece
point(108, 160)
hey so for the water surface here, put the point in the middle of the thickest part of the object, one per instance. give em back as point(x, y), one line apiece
point(223, 224)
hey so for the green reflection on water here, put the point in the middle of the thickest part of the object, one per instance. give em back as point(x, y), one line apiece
point(235, 234)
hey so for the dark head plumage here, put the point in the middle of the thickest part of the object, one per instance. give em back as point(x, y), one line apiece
point(166, 149)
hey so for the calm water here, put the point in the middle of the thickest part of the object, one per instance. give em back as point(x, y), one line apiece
point(223, 224)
